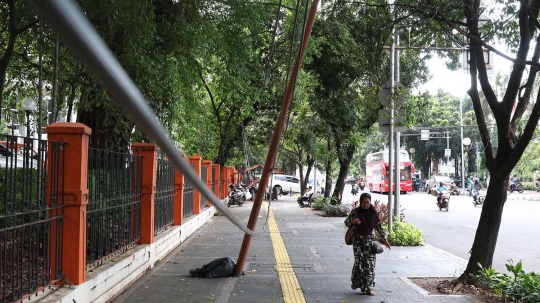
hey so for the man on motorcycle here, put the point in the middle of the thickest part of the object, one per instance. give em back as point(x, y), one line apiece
point(476, 188)
point(515, 181)
point(306, 196)
point(440, 189)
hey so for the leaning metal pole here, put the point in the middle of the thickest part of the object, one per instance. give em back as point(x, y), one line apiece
point(83, 40)
point(278, 130)
point(397, 191)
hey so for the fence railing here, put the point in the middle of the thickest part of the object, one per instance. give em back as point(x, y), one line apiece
point(204, 176)
point(164, 196)
point(114, 203)
point(31, 215)
point(189, 193)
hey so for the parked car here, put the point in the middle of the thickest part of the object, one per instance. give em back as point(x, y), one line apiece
point(9, 158)
point(435, 180)
point(285, 184)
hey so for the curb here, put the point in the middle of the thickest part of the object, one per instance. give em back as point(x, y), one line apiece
point(523, 197)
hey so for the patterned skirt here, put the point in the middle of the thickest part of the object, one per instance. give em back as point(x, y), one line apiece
point(363, 272)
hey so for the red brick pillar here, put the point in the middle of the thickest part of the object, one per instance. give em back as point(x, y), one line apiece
point(75, 184)
point(148, 151)
point(208, 181)
point(196, 160)
point(179, 196)
point(217, 180)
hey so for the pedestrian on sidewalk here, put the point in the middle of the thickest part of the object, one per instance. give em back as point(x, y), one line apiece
point(366, 220)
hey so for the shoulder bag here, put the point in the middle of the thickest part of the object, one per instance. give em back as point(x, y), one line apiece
point(350, 235)
point(376, 247)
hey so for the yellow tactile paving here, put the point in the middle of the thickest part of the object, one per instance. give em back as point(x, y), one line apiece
point(292, 292)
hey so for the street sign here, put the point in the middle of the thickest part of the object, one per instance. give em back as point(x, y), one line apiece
point(400, 116)
point(424, 134)
point(385, 93)
point(447, 152)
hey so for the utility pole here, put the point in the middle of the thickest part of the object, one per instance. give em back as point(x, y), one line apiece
point(462, 157)
point(391, 133)
point(398, 143)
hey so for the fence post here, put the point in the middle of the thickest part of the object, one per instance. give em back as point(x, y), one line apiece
point(179, 196)
point(216, 180)
point(75, 190)
point(224, 183)
point(208, 181)
point(196, 161)
point(148, 151)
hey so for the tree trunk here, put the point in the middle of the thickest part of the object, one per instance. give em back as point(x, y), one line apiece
point(304, 183)
point(425, 168)
point(328, 171)
point(344, 164)
point(487, 232)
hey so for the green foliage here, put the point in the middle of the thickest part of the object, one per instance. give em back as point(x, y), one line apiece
point(337, 210)
point(404, 234)
point(321, 202)
point(14, 183)
point(382, 211)
point(518, 285)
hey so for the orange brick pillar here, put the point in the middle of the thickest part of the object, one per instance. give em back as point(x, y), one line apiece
point(148, 151)
point(208, 181)
point(217, 180)
point(196, 160)
point(75, 184)
point(224, 183)
point(179, 196)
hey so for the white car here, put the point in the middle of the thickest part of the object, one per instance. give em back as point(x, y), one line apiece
point(285, 184)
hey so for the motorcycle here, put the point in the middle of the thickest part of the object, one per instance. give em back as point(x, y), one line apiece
point(416, 185)
point(237, 196)
point(425, 186)
point(454, 190)
point(354, 189)
point(362, 185)
point(517, 187)
point(480, 197)
point(444, 200)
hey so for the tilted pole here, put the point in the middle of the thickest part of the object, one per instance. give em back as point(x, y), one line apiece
point(398, 143)
point(391, 135)
point(278, 130)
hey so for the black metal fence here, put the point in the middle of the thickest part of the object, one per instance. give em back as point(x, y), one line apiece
point(188, 197)
point(164, 197)
point(31, 216)
point(113, 222)
point(204, 176)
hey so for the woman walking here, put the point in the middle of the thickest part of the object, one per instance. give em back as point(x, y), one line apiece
point(366, 219)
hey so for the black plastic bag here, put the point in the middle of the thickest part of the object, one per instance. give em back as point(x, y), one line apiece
point(222, 267)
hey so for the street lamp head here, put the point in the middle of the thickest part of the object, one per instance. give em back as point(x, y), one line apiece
point(466, 141)
point(412, 150)
point(28, 105)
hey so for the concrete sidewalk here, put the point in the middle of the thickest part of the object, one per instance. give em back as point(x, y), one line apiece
point(320, 259)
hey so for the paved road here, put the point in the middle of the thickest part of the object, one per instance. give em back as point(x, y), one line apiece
point(454, 231)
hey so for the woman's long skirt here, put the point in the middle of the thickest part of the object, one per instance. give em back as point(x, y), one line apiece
point(363, 272)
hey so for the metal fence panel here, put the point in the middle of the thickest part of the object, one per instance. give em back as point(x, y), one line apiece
point(204, 176)
point(31, 216)
point(113, 223)
point(188, 197)
point(164, 197)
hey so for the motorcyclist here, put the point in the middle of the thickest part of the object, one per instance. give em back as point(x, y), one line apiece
point(440, 189)
point(476, 188)
point(515, 181)
point(306, 196)
point(468, 184)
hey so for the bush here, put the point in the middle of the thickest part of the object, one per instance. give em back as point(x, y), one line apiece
point(321, 202)
point(339, 210)
point(518, 286)
point(529, 185)
point(382, 210)
point(403, 234)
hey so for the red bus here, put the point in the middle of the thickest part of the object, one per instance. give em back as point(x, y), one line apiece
point(377, 171)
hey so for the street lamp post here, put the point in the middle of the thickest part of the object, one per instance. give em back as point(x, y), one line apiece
point(28, 105)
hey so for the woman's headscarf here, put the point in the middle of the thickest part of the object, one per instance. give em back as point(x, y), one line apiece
point(369, 217)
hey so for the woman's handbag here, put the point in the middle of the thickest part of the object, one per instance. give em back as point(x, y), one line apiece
point(350, 235)
point(376, 247)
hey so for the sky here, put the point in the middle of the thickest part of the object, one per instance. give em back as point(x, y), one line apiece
point(457, 82)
